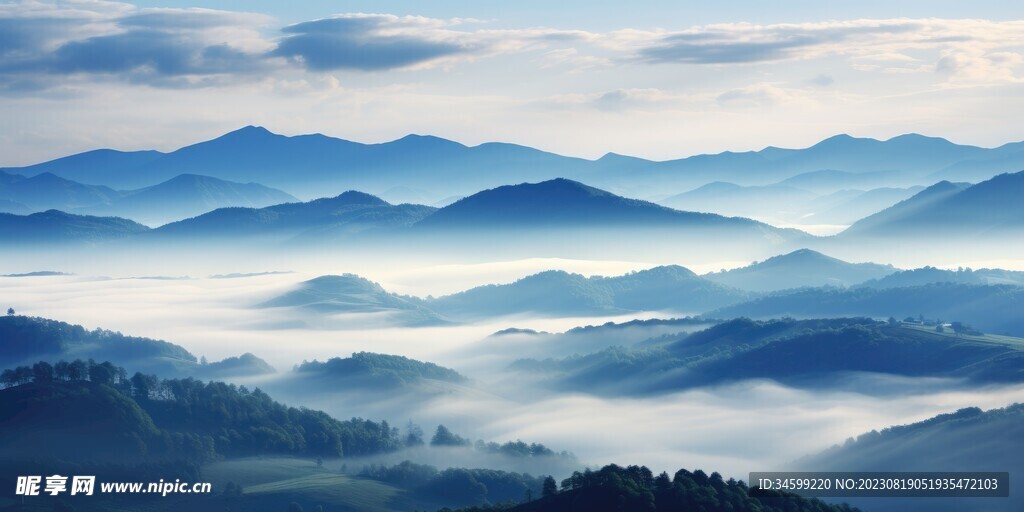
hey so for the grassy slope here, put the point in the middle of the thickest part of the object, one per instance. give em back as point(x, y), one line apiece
point(997, 339)
point(269, 482)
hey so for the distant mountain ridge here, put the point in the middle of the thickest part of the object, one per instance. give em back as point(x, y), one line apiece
point(182, 196)
point(971, 440)
point(31, 339)
point(348, 212)
point(349, 293)
point(58, 227)
point(992, 207)
point(990, 308)
point(561, 293)
point(563, 201)
point(549, 293)
point(812, 353)
point(798, 269)
point(188, 195)
point(305, 164)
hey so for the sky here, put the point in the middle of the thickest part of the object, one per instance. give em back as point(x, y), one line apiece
point(654, 79)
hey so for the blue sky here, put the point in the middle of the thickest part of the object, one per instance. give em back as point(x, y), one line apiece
point(653, 79)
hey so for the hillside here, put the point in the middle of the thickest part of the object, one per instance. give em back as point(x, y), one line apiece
point(171, 420)
point(991, 308)
point(47, 191)
point(850, 205)
point(989, 208)
point(802, 353)
point(374, 372)
point(559, 293)
point(635, 488)
point(968, 440)
point(350, 293)
point(929, 275)
point(31, 339)
point(830, 180)
point(188, 195)
point(799, 269)
point(350, 212)
point(579, 340)
point(774, 201)
point(561, 203)
point(54, 226)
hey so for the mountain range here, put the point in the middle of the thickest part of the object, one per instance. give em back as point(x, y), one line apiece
point(308, 164)
point(565, 203)
point(557, 206)
point(811, 353)
point(971, 440)
point(182, 196)
point(57, 227)
point(796, 200)
point(32, 339)
point(559, 293)
point(550, 293)
point(350, 293)
point(990, 308)
point(187, 195)
point(800, 268)
point(350, 212)
point(991, 207)
point(506, 213)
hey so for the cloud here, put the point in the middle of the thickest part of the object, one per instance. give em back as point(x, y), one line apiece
point(626, 99)
point(757, 95)
point(969, 66)
point(154, 46)
point(745, 43)
point(369, 42)
point(176, 47)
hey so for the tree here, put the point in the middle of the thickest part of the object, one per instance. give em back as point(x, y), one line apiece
point(23, 374)
point(893, 322)
point(445, 437)
point(8, 378)
point(413, 434)
point(549, 487)
point(42, 372)
point(61, 370)
point(78, 370)
point(142, 385)
point(662, 482)
point(10, 311)
point(102, 373)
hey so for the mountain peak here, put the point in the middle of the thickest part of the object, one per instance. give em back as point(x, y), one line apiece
point(344, 283)
point(839, 140)
point(669, 271)
point(357, 197)
point(248, 133)
point(919, 140)
point(252, 130)
point(425, 141)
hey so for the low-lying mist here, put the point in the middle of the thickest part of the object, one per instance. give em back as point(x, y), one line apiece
point(733, 429)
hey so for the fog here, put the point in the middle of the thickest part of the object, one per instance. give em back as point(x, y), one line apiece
point(731, 429)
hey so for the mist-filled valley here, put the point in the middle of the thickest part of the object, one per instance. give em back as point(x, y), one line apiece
point(405, 333)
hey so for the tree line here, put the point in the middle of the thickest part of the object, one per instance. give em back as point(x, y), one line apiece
point(232, 419)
